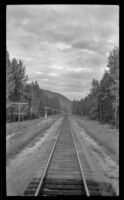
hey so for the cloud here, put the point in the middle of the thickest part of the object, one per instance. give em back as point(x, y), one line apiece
point(63, 46)
point(91, 45)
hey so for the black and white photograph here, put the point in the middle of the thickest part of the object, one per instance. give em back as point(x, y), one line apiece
point(62, 100)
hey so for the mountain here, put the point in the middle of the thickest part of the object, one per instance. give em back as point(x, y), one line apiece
point(64, 102)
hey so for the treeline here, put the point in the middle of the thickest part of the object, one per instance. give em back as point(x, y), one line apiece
point(102, 103)
point(18, 90)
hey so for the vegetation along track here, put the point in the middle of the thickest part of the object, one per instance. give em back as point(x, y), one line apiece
point(63, 174)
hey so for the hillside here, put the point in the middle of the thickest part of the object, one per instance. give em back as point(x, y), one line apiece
point(65, 103)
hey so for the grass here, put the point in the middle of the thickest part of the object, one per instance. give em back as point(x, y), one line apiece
point(14, 127)
point(104, 135)
point(28, 132)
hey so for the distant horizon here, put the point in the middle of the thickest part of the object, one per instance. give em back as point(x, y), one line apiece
point(63, 47)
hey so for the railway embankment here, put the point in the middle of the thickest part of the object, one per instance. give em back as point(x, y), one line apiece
point(29, 132)
point(103, 163)
point(30, 161)
point(104, 134)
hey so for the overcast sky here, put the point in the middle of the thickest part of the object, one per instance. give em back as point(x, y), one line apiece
point(63, 47)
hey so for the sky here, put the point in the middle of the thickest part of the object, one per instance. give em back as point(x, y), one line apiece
point(63, 47)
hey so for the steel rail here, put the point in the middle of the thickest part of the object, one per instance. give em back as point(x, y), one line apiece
point(83, 177)
point(48, 162)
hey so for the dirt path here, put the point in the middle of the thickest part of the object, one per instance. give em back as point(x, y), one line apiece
point(103, 167)
point(30, 162)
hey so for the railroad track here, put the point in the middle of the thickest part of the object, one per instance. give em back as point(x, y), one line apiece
point(63, 174)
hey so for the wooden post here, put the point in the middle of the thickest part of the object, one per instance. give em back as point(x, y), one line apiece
point(45, 112)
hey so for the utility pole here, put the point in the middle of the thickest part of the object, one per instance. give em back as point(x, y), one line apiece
point(19, 110)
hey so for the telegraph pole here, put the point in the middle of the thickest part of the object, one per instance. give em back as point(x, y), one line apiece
point(19, 110)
